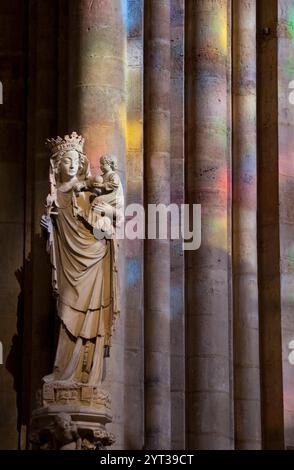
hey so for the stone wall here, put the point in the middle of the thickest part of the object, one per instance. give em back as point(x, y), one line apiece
point(12, 176)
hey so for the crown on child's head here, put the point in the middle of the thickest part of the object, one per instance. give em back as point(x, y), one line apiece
point(69, 142)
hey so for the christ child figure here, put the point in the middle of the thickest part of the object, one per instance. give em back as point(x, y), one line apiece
point(106, 209)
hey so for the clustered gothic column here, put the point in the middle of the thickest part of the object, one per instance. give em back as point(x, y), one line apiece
point(97, 110)
point(157, 256)
point(209, 416)
point(245, 291)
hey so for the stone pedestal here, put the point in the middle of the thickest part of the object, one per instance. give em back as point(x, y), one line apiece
point(71, 417)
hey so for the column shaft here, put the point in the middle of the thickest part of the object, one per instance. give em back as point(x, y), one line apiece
point(245, 293)
point(157, 256)
point(177, 288)
point(268, 227)
point(134, 328)
point(97, 63)
point(209, 410)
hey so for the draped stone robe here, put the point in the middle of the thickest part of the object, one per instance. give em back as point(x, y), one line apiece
point(85, 272)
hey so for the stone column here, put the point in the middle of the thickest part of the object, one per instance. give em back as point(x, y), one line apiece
point(97, 110)
point(134, 326)
point(269, 266)
point(177, 288)
point(245, 292)
point(157, 255)
point(97, 65)
point(209, 407)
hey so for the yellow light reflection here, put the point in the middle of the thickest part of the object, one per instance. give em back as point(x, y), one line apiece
point(134, 135)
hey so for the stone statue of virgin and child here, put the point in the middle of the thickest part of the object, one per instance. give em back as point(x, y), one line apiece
point(83, 212)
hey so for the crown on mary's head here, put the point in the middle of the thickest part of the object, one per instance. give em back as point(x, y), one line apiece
point(69, 142)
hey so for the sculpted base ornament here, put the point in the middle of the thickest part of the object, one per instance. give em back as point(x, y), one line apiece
point(83, 212)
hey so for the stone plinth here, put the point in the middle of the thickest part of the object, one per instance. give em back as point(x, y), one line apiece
point(71, 417)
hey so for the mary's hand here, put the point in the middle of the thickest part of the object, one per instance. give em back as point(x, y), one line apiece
point(46, 223)
point(104, 209)
point(80, 186)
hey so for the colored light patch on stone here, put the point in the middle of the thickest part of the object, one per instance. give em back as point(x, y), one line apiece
point(133, 272)
point(217, 232)
point(220, 28)
point(291, 255)
point(176, 294)
point(122, 114)
point(134, 135)
point(248, 164)
point(220, 129)
point(288, 67)
point(291, 21)
point(133, 16)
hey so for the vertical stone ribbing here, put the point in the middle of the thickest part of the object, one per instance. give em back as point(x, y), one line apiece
point(177, 288)
point(245, 290)
point(268, 227)
point(157, 256)
point(97, 109)
point(209, 397)
point(134, 343)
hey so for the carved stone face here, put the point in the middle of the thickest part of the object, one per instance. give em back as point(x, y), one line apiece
point(64, 427)
point(105, 167)
point(69, 165)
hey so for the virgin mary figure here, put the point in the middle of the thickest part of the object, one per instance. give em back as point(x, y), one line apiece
point(84, 268)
